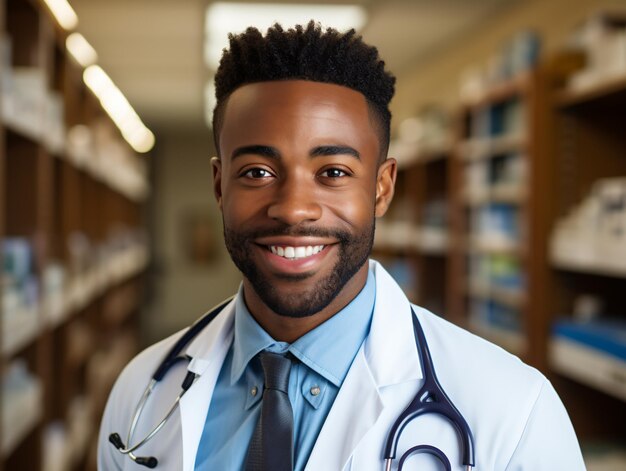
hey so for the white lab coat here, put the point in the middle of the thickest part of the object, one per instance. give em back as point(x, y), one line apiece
point(517, 419)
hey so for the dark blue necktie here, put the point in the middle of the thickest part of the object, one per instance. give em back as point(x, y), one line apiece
point(271, 447)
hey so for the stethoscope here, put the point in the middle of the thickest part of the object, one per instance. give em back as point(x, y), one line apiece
point(430, 399)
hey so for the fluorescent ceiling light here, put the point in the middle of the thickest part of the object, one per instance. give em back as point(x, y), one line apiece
point(64, 13)
point(119, 109)
point(81, 50)
point(223, 18)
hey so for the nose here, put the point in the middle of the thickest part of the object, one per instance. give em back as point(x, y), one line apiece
point(295, 202)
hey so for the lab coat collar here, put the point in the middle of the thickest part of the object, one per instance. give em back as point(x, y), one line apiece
point(387, 358)
point(214, 336)
point(390, 349)
point(207, 352)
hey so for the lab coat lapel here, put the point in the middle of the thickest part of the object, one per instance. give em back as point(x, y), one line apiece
point(207, 351)
point(387, 357)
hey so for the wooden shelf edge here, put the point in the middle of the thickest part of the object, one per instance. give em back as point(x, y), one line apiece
point(485, 148)
point(589, 366)
point(497, 92)
point(572, 97)
point(599, 267)
point(15, 338)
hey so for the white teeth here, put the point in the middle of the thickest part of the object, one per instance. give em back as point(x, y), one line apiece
point(296, 252)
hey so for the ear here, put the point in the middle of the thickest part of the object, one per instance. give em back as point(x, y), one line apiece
point(385, 184)
point(216, 165)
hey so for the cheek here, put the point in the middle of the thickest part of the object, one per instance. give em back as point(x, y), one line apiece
point(355, 207)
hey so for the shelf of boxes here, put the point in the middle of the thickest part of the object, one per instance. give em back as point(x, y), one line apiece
point(590, 366)
point(587, 238)
point(72, 214)
point(82, 289)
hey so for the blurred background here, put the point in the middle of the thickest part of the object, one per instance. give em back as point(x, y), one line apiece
point(509, 217)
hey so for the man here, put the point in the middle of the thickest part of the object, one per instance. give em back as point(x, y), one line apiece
point(315, 358)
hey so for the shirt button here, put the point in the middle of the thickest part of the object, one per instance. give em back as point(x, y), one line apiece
point(315, 390)
point(254, 390)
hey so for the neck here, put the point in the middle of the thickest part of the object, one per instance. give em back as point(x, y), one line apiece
point(289, 329)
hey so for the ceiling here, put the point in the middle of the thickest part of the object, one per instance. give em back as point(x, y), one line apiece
point(153, 49)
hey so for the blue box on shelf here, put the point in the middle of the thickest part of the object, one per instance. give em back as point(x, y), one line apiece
point(605, 335)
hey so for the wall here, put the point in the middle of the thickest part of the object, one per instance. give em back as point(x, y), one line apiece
point(182, 182)
point(435, 78)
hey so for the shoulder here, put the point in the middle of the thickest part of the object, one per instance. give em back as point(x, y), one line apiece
point(474, 358)
point(502, 398)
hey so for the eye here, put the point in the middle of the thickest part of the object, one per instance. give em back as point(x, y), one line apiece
point(334, 173)
point(257, 173)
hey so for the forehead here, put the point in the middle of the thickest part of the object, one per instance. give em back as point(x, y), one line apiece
point(296, 111)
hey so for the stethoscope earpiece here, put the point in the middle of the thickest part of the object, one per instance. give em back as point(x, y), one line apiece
point(147, 461)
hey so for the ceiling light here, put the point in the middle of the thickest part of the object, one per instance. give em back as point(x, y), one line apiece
point(64, 13)
point(223, 18)
point(119, 109)
point(81, 50)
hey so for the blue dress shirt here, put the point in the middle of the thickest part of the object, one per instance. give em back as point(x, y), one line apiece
point(325, 355)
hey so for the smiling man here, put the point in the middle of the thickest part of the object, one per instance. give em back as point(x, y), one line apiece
point(314, 362)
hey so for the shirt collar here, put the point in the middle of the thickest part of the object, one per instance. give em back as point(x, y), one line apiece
point(329, 349)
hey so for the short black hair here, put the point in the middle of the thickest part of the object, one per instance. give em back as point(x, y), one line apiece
point(305, 53)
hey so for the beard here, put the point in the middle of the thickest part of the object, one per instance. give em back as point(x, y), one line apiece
point(353, 252)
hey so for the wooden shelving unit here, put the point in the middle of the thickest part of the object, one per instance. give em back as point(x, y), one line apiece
point(413, 239)
point(588, 145)
point(498, 222)
point(73, 247)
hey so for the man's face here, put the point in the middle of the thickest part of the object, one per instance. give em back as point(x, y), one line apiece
point(299, 187)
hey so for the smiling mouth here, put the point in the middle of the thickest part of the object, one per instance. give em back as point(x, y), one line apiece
point(294, 253)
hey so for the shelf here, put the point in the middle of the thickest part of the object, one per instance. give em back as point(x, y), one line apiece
point(493, 246)
point(511, 297)
point(414, 153)
point(84, 289)
point(432, 241)
point(567, 261)
point(513, 342)
point(610, 91)
point(19, 332)
point(410, 238)
point(483, 148)
point(395, 235)
point(21, 417)
point(23, 128)
point(590, 366)
point(506, 194)
point(499, 92)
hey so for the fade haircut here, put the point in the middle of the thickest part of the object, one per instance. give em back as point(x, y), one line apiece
point(306, 53)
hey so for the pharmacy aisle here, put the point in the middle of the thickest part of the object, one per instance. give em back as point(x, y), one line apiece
point(74, 247)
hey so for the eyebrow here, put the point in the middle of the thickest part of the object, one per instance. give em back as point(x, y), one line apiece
point(273, 153)
point(335, 150)
point(264, 151)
